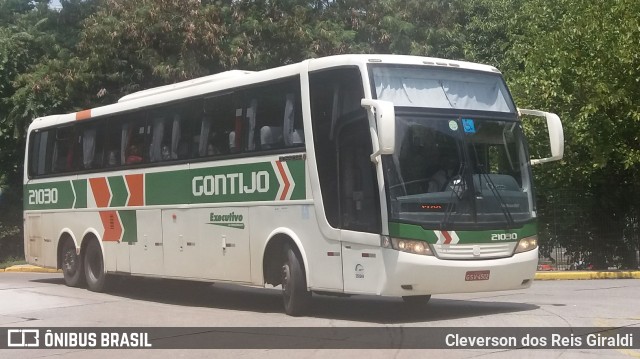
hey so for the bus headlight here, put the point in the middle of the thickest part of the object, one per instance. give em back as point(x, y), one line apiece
point(407, 245)
point(527, 244)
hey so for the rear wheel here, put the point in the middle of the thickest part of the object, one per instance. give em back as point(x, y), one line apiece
point(295, 295)
point(94, 267)
point(72, 268)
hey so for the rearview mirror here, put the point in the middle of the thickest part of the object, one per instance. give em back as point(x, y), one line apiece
point(556, 135)
point(385, 123)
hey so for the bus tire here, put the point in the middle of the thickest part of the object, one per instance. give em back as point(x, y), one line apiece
point(416, 300)
point(94, 267)
point(295, 295)
point(72, 267)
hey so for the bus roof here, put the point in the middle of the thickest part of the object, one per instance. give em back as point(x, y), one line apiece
point(239, 78)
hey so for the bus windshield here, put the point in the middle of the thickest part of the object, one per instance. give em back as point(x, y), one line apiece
point(452, 172)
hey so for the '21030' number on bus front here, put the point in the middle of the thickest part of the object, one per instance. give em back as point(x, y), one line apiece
point(504, 236)
point(43, 196)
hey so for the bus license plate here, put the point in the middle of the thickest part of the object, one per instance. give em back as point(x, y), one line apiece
point(477, 275)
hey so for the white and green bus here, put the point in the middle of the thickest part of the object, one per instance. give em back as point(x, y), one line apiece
point(353, 174)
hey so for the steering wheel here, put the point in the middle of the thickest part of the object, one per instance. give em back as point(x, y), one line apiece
point(410, 183)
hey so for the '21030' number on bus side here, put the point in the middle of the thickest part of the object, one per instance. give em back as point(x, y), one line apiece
point(43, 196)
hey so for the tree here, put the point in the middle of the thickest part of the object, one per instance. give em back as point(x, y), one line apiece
point(580, 60)
point(35, 49)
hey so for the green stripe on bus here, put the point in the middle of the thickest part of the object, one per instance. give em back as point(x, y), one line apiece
point(234, 183)
point(172, 187)
point(80, 187)
point(52, 195)
point(412, 231)
point(129, 226)
point(119, 192)
point(297, 172)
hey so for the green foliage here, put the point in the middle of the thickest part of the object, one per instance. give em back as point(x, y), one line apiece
point(583, 63)
point(36, 78)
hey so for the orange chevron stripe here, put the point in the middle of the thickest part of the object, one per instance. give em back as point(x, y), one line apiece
point(100, 189)
point(283, 196)
point(112, 226)
point(135, 183)
point(447, 237)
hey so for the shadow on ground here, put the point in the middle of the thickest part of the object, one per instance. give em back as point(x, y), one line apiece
point(359, 308)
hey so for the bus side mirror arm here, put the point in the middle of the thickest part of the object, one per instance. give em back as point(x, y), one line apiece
point(556, 134)
point(385, 121)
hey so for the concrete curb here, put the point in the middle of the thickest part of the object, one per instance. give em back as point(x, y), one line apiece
point(30, 268)
point(582, 275)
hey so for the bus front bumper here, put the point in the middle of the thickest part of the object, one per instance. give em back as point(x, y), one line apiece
point(412, 274)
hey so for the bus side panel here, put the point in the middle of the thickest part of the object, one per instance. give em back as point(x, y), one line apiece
point(363, 264)
point(44, 231)
point(207, 243)
point(33, 239)
point(321, 255)
point(146, 251)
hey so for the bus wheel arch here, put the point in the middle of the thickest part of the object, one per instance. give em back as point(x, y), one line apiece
point(273, 255)
point(283, 264)
point(70, 261)
point(94, 263)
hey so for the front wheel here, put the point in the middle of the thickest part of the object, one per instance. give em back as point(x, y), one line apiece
point(295, 295)
point(72, 268)
point(94, 267)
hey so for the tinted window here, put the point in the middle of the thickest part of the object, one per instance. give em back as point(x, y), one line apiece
point(263, 117)
point(343, 146)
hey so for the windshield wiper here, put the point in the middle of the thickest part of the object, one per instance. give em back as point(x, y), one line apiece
point(494, 190)
point(459, 189)
point(496, 193)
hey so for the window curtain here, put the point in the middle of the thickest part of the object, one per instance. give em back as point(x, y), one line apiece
point(204, 136)
point(288, 120)
point(441, 89)
point(155, 152)
point(175, 137)
point(88, 147)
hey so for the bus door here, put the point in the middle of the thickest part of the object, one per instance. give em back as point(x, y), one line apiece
point(39, 247)
point(359, 209)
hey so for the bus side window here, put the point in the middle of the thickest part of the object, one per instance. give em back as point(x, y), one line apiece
point(64, 148)
point(265, 125)
point(278, 116)
point(251, 113)
point(112, 143)
point(91, 145)
point(235, 135)
point(165, 135)
point(134, 146)
point(292, 128)
point(217, 126)
point(178, 137)
point(39, 162)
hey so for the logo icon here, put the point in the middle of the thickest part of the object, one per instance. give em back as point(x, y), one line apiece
point(476, 251)
point(231, 220)
point(23, 338)
point(359, 271)
point(468, 125)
